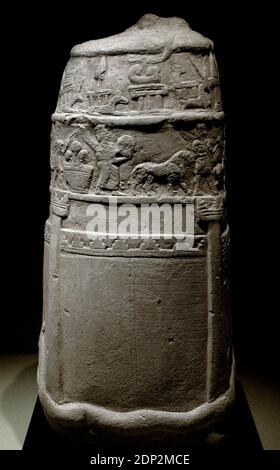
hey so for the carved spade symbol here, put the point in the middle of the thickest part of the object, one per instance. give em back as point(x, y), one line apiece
point(101, 68)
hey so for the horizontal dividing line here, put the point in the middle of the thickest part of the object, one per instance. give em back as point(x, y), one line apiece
point(135, 253)
point(118, 200)
point(133, 236)
point(138, 119)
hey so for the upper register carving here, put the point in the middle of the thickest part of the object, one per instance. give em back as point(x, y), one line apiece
point(158, 66)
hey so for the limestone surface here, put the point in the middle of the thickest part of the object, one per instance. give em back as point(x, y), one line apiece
point(136, 333)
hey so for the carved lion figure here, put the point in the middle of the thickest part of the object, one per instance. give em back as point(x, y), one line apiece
point(171, 172)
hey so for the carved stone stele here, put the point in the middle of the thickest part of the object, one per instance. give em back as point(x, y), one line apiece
point(136, 335)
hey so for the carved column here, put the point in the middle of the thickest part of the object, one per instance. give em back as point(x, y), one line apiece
point(136, 336)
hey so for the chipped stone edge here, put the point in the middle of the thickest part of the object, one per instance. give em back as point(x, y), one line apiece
point(141, 421)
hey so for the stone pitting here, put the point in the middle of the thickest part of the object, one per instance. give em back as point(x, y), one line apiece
point(137, 328)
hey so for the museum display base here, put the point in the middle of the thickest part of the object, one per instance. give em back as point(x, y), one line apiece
point(236, 436)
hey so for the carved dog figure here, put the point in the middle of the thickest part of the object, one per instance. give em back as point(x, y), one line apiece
point(170, 172)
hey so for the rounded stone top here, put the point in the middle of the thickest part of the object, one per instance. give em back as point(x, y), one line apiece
point(150, 35)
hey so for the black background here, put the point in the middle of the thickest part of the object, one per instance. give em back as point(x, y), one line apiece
point(37, 42)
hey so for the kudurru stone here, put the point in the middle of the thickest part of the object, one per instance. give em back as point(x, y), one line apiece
point(136, 335)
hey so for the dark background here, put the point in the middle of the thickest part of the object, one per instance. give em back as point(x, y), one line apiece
point(37, 43)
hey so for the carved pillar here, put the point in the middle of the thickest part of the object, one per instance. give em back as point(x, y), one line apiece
point(136, 335)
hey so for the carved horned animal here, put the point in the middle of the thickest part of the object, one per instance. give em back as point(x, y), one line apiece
point(110, 107)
